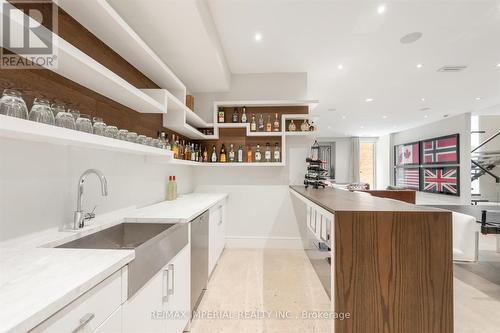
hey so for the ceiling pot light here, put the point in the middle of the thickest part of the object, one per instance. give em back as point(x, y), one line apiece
point(420, 65)
point(381, 9)
point(384, 117)
point(423, 99)
point(361, 127)
point(478, 98)
point(411, 37)
point(340, 66)
point(498, 65)
point(369, 100)
point(257, 37)
point(426, 116)
point(343, 117)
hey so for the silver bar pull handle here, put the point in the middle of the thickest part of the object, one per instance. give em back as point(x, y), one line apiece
point(164, 292)
point(84, 321)
point(171, 269)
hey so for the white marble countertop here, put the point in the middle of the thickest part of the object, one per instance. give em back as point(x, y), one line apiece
point(37, 280)
point(182, 210)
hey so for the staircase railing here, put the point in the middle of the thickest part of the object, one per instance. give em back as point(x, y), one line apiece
point(485, 169)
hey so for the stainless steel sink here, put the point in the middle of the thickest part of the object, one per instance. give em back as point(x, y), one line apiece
point(155, 244)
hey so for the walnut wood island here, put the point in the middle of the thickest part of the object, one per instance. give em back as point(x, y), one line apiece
point(391, 264)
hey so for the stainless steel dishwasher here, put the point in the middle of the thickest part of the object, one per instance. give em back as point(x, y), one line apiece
point(199, 258)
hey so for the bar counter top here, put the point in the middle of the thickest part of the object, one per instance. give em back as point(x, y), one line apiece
point(337, 200)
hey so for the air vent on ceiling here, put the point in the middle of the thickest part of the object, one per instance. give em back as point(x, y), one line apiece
point(451, 69)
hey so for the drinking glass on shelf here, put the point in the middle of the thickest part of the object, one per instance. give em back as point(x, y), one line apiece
point(99, 126)
point(155, 143)
point(13, 105)
point(111, 132)
point(122, 135)
point(63, 118)
point(84, 124)
point(132, 137)
point(75, 113)
point(141, 139)
point(147, 141)
point(41, 112)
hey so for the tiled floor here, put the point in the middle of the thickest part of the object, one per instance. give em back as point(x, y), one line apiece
point(283, 280)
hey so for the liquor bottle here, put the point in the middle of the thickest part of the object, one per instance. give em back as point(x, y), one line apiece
point(163, 141)
point(276, 124)
point(304, 127)
point(205, 154)
point(258, 155)
point(168, 146)
point(213, 158)
point(236, 118)
point(269, 126)
point(187, 152)
point(222, 155)
point(175, 147)
point(240, 154)
point(311, 127)
point(261, 123)
point(194, 153)
point(253, 124)
point(267, 153)
point(277, 153)
point(231, 153)
point(292, 127)
point(182, 148)
point(221, 115)
point(244, 115)
point(200, 155)
point(249, 155)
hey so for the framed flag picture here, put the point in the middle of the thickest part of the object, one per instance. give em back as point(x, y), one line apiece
point(408, 178)
point(441, 180)
point(442, 150)
point(407, 154)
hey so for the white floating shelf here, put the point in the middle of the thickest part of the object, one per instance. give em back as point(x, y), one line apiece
point(310, 103)
point(75, 65)
point(298, 133)
point(31, 131)
point(228, 165)
point(100, 18)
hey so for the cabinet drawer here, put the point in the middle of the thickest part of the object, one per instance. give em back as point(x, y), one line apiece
point(87, 312)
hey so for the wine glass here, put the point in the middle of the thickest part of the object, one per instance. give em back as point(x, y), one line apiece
point(141, 139)
point(13, 105)
point(132, 137)
point(63, 118)
point(111, 132)
point(41, 112)
point(84, 124)
point(122, 135)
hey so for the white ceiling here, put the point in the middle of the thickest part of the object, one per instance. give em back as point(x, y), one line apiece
point(197, 39)
point(316, 36)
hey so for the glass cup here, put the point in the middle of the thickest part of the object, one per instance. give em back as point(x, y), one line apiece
point(155, 143)
point(132, 137)
point(63, 118)
point(13, 105)
point(122, 135)
point(41, 112)
point(111, 132)
point(141, 139)
point(75, 113)
point(99, 126)
point(84, 124)
point(147, 141)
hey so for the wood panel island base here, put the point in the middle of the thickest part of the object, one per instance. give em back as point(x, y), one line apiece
point(391, 262)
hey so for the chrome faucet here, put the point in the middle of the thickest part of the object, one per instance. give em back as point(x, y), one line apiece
point(80, 216)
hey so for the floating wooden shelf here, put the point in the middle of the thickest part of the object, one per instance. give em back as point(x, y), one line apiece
point(21, 129)
point(99, 17)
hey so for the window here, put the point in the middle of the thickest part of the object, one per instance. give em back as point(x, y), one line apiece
point(367, 163)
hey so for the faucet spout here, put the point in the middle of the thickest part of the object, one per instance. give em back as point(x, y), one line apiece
point(80, 216)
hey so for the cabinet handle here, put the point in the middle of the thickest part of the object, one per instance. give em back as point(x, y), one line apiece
point(164, 291)
point(171, 269)
point(84, 321)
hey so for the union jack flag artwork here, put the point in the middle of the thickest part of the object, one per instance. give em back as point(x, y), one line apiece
point(441, 150)
point(443, 180)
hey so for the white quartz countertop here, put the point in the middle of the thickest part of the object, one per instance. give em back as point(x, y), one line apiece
point(37, 280)
point(184, 209)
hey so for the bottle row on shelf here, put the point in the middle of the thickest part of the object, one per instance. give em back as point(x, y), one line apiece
point(189, 151)
point(259, 124)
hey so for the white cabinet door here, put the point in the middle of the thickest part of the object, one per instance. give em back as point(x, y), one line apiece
point(214, 226)
point(145, 311)
point(113, 324)
point(178, 301)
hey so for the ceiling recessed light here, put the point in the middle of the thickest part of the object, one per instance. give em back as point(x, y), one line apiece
point(423, 99)
point(257, 37)
point(381, 9)
point(426, 116)
point(498, 65)
point(340, 66)
point(369, 100)
point(361, 127)
point(478, 98)
point(411, 37)
point(384, 117)
point(420, 65)
point(343, 117)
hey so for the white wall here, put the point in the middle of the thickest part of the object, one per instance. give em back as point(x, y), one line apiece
point(491, 125)
point(38, 184)
point(459, 124)
point(383, 162)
